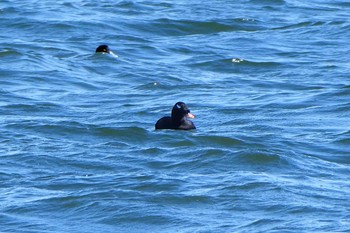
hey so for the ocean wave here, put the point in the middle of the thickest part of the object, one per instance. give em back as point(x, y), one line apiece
point(171, 27)
point(267, 81)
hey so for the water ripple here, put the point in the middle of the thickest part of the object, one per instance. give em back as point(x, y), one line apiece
point(267, 81)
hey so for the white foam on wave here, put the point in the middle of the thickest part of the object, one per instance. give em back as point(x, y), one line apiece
point(113, 54)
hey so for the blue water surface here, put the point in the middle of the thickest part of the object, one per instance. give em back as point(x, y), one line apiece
point(268, 81)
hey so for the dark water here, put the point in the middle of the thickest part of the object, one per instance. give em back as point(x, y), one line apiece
point(79, 152)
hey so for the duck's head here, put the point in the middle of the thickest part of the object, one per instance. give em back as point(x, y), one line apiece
point(103, 49)
point(180, 110)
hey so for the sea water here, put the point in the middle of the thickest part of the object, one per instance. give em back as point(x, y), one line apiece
point(267, 80)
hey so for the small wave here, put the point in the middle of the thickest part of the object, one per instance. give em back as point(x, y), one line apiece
point(264, 2)
point(10, 52)
point(341, 3)
point(300, 25)
point(343, 138)
point(230, 65)
point(217, 141)
point(260, 157)
point(53, 128)
point(344, 141)
point(30, 111)
point(170, 27)
point(120, 132)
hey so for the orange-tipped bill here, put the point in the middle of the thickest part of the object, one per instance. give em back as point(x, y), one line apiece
point(190, 115)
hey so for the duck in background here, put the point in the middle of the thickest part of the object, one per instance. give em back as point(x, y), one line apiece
point(105, 49)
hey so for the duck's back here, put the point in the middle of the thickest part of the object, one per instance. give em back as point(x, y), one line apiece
point(165, 123)
point(168, 123)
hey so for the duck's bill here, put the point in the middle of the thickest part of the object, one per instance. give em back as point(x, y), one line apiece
point(190, 115)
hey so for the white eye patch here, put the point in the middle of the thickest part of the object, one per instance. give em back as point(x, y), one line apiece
point(178, 106)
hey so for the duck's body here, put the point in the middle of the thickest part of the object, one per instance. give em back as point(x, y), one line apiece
point(168, 123)
point(178, 119)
